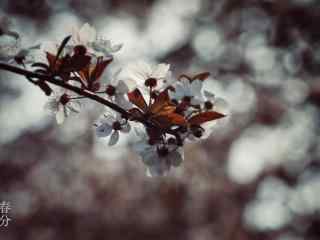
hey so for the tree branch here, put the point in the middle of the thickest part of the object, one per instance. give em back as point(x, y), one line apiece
point(53, 80)
point(82, 92)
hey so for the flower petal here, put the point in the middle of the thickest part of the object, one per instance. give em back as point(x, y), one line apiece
point(114, 138)
point(175, 158)
point(157, 170)
point(160, 71)
point(74, 106)
point(60, 115)
point(125, 128)
point(196, 87)
point(104, 130)
point(87, 34)
point(121, 101)
point(122, 87)
point(208, 95)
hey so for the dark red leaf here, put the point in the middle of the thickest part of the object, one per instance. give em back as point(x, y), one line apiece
point(205, 117)
point(201, 76)
point(137, 99)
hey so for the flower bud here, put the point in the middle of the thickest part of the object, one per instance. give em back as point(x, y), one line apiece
point(64, 99)
point(110, 90)
point(197, 131)
point(208, 105)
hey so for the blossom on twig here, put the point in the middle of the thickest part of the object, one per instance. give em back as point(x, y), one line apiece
point(169, 110)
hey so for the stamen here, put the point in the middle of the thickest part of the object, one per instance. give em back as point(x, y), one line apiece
point(64, 99)
point(151, 82)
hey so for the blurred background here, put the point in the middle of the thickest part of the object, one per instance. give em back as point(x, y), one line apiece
point(256, 177)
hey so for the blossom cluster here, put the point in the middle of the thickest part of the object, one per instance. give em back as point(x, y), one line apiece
point(164, 111)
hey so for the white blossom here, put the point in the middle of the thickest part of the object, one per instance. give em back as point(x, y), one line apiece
point(60, 105)
point(219, 105)
point(192, 90)
point(97, 45)
point(5, 25)
point(103, 47)
point(110, 125)
point(140, 71)
point(158, 158)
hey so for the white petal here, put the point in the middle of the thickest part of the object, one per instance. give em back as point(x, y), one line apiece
point(74, 106)
point(158, 170)
point(221, 105)
point(149, 156)
point(87, 34)
point(114, 138)
point(122, 87)
point(109, 117)
point(116, 47)
point(175, 158)
point(51, 107)
point(121, 101)
point(140, 147)
point(179, 93)
point(126, 128)
point(115, 77)
point(161, 71)
point(141, 133)
point(140, 71)
point(104, 130)
point(196, 87)
point(185, 82)
point(209, 95)
point(60, 115)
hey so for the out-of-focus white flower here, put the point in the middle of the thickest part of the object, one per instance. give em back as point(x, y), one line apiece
point(9, 48)
point(5, 25)
point(98, 46)
point(110, 125)
point(61, 105)
point(189, 91)
point(158, 158)
point(144, 74)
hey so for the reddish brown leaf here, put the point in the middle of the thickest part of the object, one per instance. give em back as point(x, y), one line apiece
point(100, 67)
point(137, 99)
point(166, 121)
point(53, 63)
point(184, 76)
point(162, 104)
point(201, 76)
point(205, 117)
point(176, 119)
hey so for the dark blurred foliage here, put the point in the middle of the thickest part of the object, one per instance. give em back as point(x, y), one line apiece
point(60, 189)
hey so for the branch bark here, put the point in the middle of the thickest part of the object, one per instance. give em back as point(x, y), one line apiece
point(57, 82)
